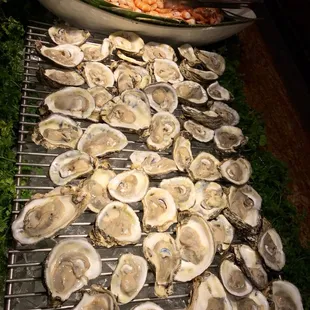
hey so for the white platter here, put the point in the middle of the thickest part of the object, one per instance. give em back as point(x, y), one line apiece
point(83, 15)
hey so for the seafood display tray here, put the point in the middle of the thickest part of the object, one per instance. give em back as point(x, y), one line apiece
point(24, 286)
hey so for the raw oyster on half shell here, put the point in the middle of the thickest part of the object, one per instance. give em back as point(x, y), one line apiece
point(63, 34)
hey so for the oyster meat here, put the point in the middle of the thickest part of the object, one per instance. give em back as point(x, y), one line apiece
point(57, 78)
point(187, 52)
point(162, 97)
point(97, 186)
point(43, 217)
point(243, 211)
point(95, 52)
point(233, 279)
point(129, 277)
point(131, 110)
point(208, 119)
point(72, 101)
point(164, 128)
point(251, 264)
point(229, 138)
point(126, 41)
point(218, 92)
point(69, 266)
point(116, 224)
point(286, 295)
point(237, 171)
point(255, 300)
point(57, 131)
point(152, 163)
point(199, 132)
point(97, 298)
point(190, 92)
point(223, 233)
point(208, 293)
point(100, 140)
point(71, 165)
point(271, 249)
point(63, 34)
point(65, 55)
point(195, 241)
point(154, 50)
point(212, 61)
point(162, 253)
point(205, 167)
point(167, 71)
point(182, 190)
point(159, 208)
point(101, 96)
point(210, 199)
point(182, 153)
point(129, 186)
point(147, 306)
point(98, 74)
point(229, 116)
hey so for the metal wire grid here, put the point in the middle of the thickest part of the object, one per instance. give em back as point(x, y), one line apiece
point(24, 287)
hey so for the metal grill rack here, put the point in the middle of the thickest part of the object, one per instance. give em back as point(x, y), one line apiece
point(24, 286)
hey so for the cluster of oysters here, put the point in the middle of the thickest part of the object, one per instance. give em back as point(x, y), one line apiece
point(141, 88)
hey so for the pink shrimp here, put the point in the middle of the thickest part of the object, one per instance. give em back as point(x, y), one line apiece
point(146, 5)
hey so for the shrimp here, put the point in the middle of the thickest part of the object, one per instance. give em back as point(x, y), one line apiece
point(146, 5)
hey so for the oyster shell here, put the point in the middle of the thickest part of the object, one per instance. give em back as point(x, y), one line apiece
point(230, 116)
point(205, 167)
point(100, 140)
point(228, 138)
point(97, 186)
point(251, 265)
point(63, 34)
point(255, 300)
point(131, 111)
point(147, 306)
point(116, 224)
point(164, 128)
point(126, 41)
point(97, 297)
point(42, 218)
point(208, 293)
point(199, 132)
point(69, 266)
point(70, 165)
point(223, 233)
point(208, 119)
point(72, 101)
point(98, 74)
point(129, 277)
point(101, 96)
point(218, 92)
point(195, 241)
point(131, 60)
point(286, 295)
point(233, 279)
point(57, 131)
point(190, 92)
point(237, 171)
point(197, 75)
point(162, 97)
point(162, 253)
point(152, 163)
point(65, 55)
point(95, 52)
point(129, 186)
point(210, 199)
point(57, 78)
point(212, 61)
point(187, 52)
point(167, 71)
point(244, 208)
point(182, 190)
point(154, 50)
point(182, 153)
point(271, 249)
point(159, 208)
